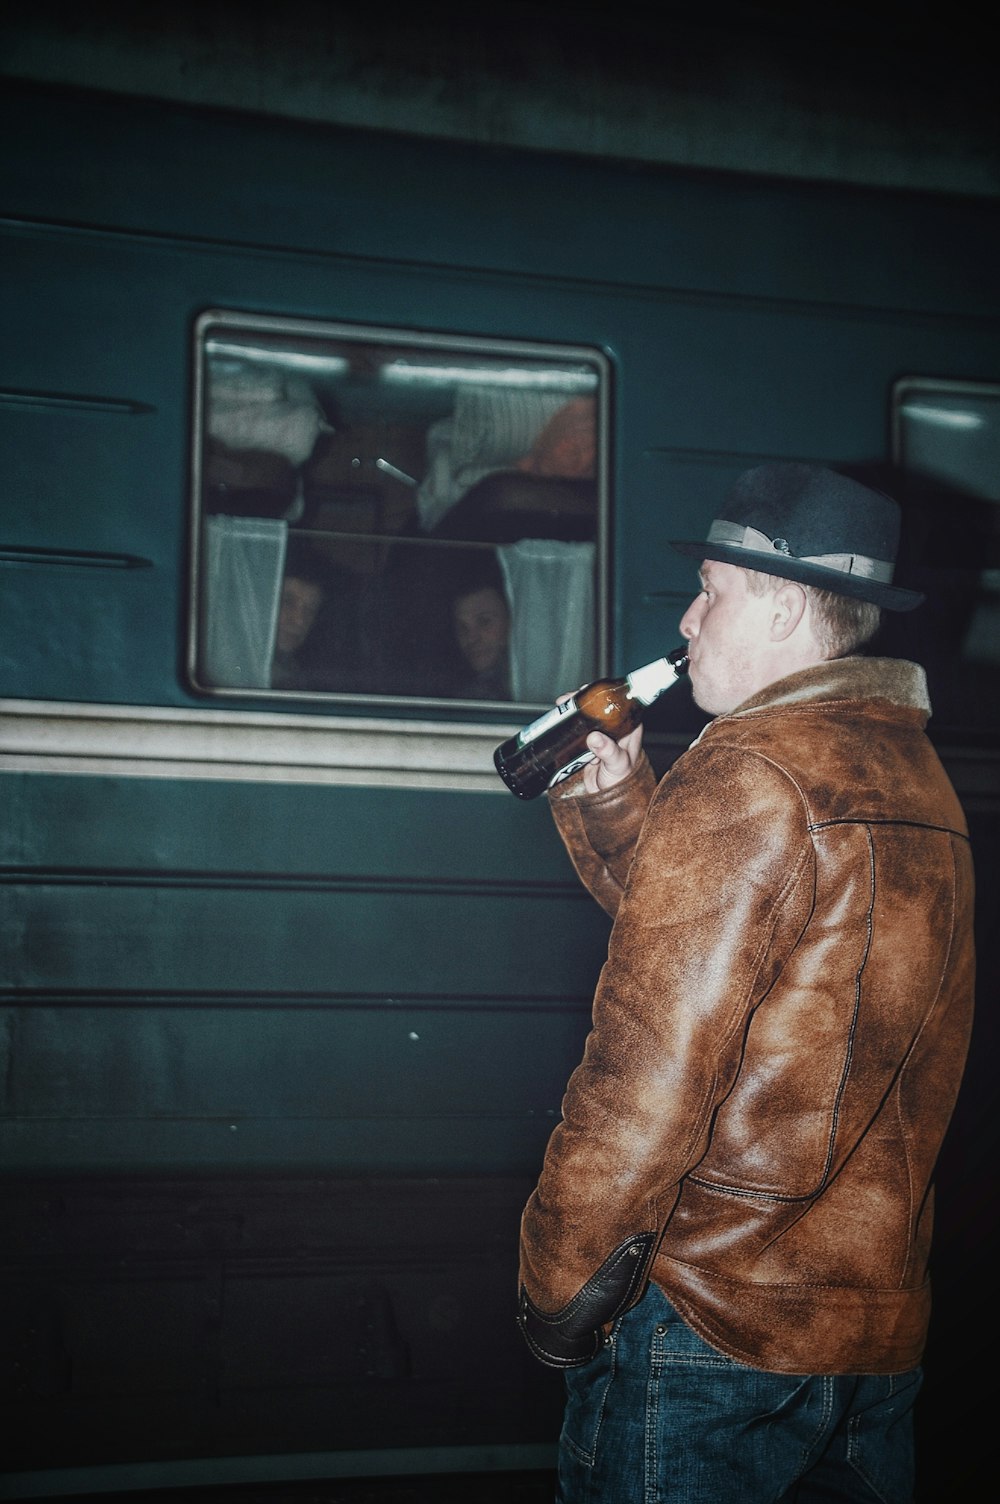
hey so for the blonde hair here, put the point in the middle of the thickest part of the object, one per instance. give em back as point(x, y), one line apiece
point(841, 623)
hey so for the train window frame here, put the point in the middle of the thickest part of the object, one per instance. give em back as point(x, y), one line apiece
point(477, 400)
point(945, 448)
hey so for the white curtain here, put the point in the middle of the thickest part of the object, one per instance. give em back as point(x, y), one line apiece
point(241, 590)
point(550, 587)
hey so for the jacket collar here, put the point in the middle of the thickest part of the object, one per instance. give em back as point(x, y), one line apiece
point(902, 684)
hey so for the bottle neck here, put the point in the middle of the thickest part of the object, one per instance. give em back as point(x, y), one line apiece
point(647, 683)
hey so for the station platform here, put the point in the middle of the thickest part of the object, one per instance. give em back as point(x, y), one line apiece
point(446, 1488)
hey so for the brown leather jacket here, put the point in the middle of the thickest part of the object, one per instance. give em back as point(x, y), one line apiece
point(778, 1037)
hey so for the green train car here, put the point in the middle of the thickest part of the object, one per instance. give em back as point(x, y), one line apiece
point(292, 984)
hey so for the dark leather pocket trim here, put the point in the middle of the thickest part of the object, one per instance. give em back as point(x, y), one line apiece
point(572, 1336)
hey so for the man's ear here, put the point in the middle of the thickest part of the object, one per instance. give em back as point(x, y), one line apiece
point(788, 609)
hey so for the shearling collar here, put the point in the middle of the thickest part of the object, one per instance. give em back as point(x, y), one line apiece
point(903, 684)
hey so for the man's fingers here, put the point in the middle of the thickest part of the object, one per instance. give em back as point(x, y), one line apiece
point(607, 750)
point(611, 762)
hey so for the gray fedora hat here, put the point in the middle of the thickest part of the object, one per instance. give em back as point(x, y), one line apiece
point(813, 525)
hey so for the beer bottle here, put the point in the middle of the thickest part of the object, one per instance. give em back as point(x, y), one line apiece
point(549, 749)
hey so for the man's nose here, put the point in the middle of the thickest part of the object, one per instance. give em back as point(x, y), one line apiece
point(691, 620)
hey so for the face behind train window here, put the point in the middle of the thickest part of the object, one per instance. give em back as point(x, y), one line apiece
point(392, 518)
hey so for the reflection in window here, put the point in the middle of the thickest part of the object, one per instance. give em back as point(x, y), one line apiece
point(389, 515)
point(946, 439)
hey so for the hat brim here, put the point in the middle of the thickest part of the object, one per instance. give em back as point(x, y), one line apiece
point(890, 597)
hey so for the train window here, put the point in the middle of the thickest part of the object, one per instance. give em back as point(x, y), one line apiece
point(379, 514)
point(946, 443)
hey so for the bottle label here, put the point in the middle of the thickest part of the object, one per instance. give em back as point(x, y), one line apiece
point(571, 767)
point(647, 683)
point(550, 718)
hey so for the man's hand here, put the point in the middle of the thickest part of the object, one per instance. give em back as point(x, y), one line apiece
point(613, 760)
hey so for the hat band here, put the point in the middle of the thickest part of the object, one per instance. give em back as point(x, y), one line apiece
point(750, 538)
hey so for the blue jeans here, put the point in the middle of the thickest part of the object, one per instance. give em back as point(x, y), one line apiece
point(659, 1417)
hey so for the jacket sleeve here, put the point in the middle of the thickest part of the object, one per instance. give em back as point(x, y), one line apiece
point(717, 893)
point(600, 830)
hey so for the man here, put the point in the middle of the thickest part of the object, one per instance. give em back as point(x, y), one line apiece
point(481, 618)
point(304, 591)
point(727, 1248)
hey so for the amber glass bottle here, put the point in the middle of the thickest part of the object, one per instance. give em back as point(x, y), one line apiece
point(548, 750)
